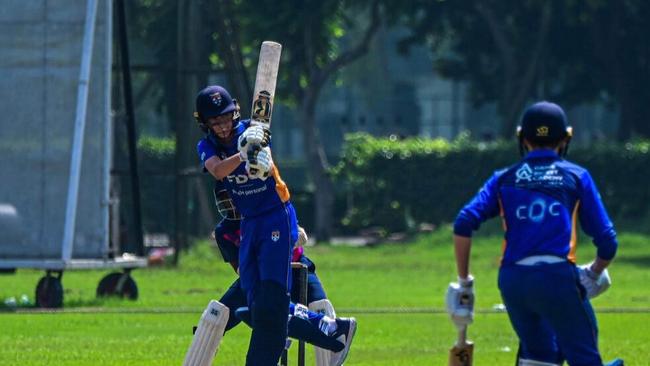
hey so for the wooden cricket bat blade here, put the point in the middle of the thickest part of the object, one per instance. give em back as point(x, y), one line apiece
point(461, 354)
point(265, 82)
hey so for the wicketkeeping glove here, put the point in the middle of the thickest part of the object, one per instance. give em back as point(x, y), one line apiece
point(254, 135)
point(594, 283)
point(259, 163)
point(460, 301)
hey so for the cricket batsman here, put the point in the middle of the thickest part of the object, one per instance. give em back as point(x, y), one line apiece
point(238, 153)
point(269, 221)
point(317, 324)
point(540, 200)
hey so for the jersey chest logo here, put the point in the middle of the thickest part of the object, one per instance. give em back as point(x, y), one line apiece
point(524, 173)
point(275, 235)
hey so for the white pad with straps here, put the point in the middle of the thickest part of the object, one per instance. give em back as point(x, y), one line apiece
point(208, 335)
point(525, 362)
point(323, 307)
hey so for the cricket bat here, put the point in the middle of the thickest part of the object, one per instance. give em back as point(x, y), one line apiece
point(461, 353)
point(265, 81)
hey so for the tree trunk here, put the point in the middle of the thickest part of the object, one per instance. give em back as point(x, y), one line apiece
point(180, 238)
point(317, 166)
point(632, 116)
point(189, 52)
point(642, 126)
point(316, 158)
point(519, 74)
point(228, 44)
point(626, 117)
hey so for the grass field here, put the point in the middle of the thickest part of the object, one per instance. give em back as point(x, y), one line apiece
point(396, 292)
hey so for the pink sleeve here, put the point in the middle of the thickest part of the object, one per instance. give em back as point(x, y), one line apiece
point(297, 253)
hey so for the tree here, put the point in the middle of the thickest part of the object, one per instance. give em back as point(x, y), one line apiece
point(312, 33)
point(513, 51)
point(617, 32)
point(171, 42)
point(315, 40)
point(498, 46)
point(227, 40)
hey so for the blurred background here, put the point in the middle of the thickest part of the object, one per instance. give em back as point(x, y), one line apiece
point(388, 114)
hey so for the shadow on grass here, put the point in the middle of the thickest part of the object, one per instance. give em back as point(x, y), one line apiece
point(639, 261)
point(79, 303)
point(190, 291)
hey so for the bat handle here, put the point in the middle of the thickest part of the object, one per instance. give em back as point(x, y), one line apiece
point(462, 336)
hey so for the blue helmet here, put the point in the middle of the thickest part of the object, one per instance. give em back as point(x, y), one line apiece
point(544, 123)
point(214, 101)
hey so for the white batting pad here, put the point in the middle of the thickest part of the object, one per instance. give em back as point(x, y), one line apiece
point(323, 307)
point(208, 335)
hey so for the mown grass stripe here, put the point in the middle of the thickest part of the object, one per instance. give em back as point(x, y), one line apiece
point(341, 311)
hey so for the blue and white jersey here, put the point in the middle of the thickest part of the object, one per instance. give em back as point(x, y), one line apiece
point(252, 197)
point(540, 200)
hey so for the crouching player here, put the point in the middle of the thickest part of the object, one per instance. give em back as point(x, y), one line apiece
point(317, 325)
point(540, 200)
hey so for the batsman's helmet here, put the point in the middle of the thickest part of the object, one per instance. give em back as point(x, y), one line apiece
point(214, 101)
point(544, 124)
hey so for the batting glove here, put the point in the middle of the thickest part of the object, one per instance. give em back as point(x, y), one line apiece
point(594, 283)
point(249, 152)
point(259, 163)
point(460, 301)
point(254, 135)
point(302, 237)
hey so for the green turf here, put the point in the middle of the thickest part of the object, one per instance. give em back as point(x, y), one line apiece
point(156, 329)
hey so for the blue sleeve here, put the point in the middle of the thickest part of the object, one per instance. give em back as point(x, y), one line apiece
point(205, 151)
point(483, 206)
point(594, 219)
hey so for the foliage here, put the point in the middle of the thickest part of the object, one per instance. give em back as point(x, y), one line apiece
point(396, 184)
point(162, 147)
point(321, 37)
point(513, 51)
point(591, 50)
point(156, 173)
point(314, 32)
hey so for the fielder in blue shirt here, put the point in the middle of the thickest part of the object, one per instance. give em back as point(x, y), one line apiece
point(540, 201)
point(238, 153)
